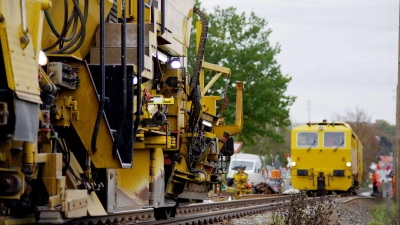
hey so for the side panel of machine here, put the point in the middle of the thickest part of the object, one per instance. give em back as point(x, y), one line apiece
point(96, 112)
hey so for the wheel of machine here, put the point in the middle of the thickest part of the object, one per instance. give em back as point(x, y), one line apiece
point(229, 182)
point(170, 212)
point(164, 213)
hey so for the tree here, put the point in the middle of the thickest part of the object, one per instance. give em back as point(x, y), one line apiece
point(267, 146)
point(386, 128)
point(241, 44)
point(385, 146)
point(387, 134)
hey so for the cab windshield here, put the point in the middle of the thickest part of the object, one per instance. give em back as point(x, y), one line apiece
point(307, 139)
point(334, 139)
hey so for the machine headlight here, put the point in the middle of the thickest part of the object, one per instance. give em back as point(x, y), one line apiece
point(42, 58)
point(348, 164)
point(293, 163)
point(175, 63)
point(206, 123)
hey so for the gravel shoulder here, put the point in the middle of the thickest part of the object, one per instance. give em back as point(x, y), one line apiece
point(353, 210)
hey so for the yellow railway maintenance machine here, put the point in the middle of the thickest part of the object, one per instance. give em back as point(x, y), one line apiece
point(326, 157)
point(241, 183)
point(98, 114)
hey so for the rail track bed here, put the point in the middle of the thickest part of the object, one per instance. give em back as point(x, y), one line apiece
point(211, 211)
point(203, 213)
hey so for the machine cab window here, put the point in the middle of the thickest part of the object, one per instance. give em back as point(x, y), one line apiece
point(334, 139)
point(307, 139)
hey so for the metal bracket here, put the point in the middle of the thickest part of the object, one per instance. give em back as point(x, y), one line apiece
point(3, 113)
point(77, 203)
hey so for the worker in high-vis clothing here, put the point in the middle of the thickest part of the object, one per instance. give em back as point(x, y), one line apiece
point(375, 180)
point(393, 183)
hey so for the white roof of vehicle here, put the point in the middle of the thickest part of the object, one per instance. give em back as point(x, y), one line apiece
point(245, 157)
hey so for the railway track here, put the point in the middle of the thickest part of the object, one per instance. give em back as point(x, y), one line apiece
point(226, 210)
point(212, 217)
point(202, 213)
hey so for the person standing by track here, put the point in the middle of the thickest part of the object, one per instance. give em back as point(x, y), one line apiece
point(393, 183)
point(375, 179)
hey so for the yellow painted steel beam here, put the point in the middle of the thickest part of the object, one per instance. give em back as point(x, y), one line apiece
point(94, 206)
point(210, 84)
point(86, 96)
point(157, 142)
point(20, 58)
point(238, 126)
point(217, 68)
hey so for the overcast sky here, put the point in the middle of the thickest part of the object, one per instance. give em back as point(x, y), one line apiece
point(340, 54)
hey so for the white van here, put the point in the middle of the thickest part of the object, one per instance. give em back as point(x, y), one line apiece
point(253, 169)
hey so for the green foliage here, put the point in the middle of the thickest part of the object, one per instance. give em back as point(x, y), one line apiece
point(385, 127)
point(367, 132)
point(379, 215)
point(387, 134)
point(385, 146)
point(364, 185)
point(240, 43)
point(268, 146)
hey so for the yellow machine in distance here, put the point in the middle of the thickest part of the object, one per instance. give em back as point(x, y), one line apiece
point(326, 157)
point(98, 113)
point(241, 182)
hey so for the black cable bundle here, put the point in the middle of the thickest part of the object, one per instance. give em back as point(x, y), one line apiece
point(75, 38)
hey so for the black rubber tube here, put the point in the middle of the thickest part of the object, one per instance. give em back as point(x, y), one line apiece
point(82, 32)
point(64, 29)
point(103, 87)
point(163, 16)
point(140, 63)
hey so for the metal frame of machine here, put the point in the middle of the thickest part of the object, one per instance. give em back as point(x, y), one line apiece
point(109, 124)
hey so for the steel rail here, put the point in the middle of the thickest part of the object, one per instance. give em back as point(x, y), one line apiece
point(201, 213)
point(144, 215)
point(219, 216)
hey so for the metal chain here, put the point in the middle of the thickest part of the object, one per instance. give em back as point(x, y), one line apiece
point(145, 99)
point(225, 100)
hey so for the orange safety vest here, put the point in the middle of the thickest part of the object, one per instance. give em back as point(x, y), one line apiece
point(375, 177)
point(393, 182)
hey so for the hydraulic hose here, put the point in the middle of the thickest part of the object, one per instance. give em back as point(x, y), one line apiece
point(82, 31)
point(74, 15)
point(103, 87)
point(64, 29)
point(72, 18)
point(140, 63)
point(195, 93)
